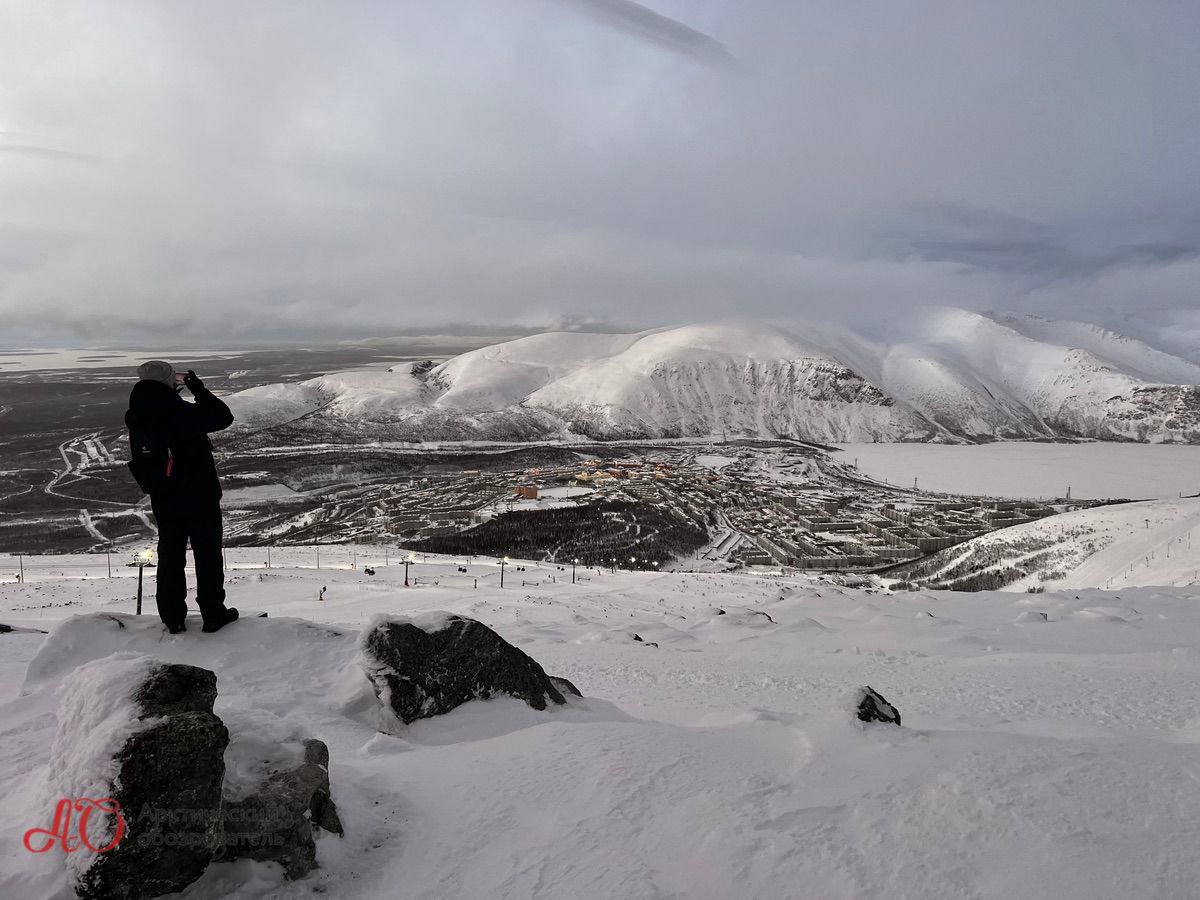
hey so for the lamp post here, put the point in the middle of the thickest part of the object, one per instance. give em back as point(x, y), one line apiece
point(503, 563)
point(141, 560)
point(632, 562)
point(412, 558)
point(574, 563)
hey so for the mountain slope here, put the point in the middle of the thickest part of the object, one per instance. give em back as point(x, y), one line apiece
point(1041, 758)
point(1051, 385)
point(946, 375)
point(1120, 546)
point(732, 378)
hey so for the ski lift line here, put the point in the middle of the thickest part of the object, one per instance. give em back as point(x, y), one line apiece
point(265, 429)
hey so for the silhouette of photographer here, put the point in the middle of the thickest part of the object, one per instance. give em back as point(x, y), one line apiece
point(171, 458)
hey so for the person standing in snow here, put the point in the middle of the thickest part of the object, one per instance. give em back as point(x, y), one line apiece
point(171, 458)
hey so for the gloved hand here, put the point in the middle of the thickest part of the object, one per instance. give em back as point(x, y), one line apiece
point(192, 381)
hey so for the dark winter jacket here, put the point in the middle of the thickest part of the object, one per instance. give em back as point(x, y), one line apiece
point(185, 428)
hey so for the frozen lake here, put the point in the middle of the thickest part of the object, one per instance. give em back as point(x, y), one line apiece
point(1093, 471)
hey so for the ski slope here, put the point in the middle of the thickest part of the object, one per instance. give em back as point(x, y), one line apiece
point(1047, 748)
point(1141, 544)
point(1119, 546)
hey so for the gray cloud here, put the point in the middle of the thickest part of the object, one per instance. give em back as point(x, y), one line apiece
point(1035, 253)
point(45, 153)
point(224, 169)
point(663, 31)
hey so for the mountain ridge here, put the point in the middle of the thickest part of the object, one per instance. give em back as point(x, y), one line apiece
point(944, 375)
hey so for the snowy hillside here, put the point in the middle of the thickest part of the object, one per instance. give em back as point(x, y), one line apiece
point(947, 375)
point(1045, 737)
point(1118, 547)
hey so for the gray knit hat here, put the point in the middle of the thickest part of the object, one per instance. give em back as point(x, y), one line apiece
point(157, 370)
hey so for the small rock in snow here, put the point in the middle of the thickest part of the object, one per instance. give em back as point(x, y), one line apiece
point(277, 823)
point(872, 707)
point(565, 686)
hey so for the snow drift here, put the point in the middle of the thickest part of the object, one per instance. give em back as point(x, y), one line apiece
point(1041, 756)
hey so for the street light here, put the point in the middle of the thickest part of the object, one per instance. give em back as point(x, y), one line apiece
point(141, 560)
point(574, 563)
point(412, 558)
point(503, 563)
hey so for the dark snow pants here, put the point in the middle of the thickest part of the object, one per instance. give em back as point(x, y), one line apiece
point(178, 522)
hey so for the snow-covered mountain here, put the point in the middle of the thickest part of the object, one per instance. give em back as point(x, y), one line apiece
point(943, 375)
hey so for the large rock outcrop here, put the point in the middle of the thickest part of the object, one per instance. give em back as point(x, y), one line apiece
point(142, 733)
point(141, 766)
point(277, 824)
point(428, 666)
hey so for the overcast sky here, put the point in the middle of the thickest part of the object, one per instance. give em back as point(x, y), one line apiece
point(209, 171)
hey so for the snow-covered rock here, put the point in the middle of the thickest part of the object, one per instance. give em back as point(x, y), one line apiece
point(142, 733)
point(277, 823)
point(428, 666)
point(872, 707)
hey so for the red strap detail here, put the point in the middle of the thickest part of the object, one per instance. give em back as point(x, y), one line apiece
point(170, 465)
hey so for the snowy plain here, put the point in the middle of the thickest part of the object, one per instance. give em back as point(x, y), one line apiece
point(1093, 471)
point(72, 358)
point(1049, 749)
